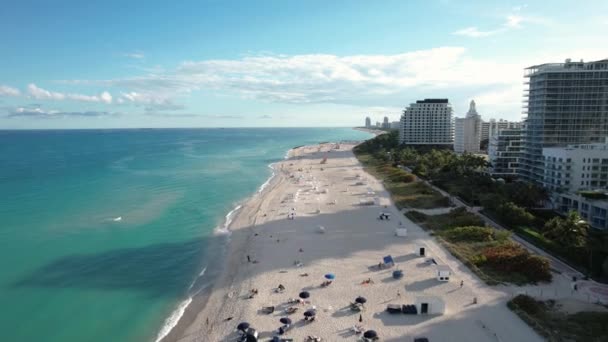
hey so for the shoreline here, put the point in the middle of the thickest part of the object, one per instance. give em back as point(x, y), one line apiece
point(184, 314)
point(354, 239)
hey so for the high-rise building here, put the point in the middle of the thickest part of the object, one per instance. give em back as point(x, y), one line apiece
point(386, 124)
point(368, 122)
point(567, 103)
point(574, 171)
point(467, 131)
point(427, 122)
point(503, 152)
point(395, 124)
point(489, 128)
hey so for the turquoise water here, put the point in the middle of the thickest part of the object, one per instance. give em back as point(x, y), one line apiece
point(103, 231)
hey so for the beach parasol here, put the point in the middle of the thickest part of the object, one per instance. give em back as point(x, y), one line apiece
point(304, 294)
point(310, 313)
point(360, 300)
point(370, 334)
point(330, 276)
point(243, 326)
point(285, 320)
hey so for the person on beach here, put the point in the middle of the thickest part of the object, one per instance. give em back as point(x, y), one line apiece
point(248, 258)
point(461, 283)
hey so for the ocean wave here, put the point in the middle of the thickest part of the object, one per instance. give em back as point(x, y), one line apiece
point(223, 229)
point(173, 319)
point(267, 182)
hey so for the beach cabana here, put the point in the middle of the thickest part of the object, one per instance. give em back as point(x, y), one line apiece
point(388, 261)
point(430, 305)
point(401, 232)
point(443, 272)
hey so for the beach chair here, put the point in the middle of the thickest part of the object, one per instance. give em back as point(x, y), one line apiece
point(291, 310)
point(268, 309)
point(356, 307)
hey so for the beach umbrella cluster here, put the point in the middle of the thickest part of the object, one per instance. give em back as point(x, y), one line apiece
point(243, 326)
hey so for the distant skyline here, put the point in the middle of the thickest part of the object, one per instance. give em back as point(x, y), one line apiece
point(74, 64)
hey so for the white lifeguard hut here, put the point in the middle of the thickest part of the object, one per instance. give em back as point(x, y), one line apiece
point(444, 272)
point(401, 232)
point(430, 305)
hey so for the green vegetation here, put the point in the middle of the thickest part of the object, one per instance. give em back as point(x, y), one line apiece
point(486, 251)
point(594, 195)
point(406, 191)
point(556, 326)
point(512, 204)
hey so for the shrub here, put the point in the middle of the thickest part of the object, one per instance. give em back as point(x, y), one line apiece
point(527, 304)
point(512, 214)
point(512, 257)
point(460, 217)
point(471, 233)
point(416, 216)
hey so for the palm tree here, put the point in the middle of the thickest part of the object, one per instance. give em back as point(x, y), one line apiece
point(568, 232)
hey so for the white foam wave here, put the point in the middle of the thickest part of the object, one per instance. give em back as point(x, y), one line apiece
point(172, 320)
point(203, 272)
point(267, 182)
point(227, 221)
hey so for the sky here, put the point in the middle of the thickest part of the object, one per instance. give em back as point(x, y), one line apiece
point(119, 64)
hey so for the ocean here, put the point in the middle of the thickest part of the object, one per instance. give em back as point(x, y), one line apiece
point(104, 232)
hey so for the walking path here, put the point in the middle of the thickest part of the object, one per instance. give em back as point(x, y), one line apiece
point(588, 290)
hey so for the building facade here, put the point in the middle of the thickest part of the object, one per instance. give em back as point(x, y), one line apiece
point(492, 127)
point(467, 131)
point(567, 103)
point(368, 122)
point(386, 124)
point(574, 172)
point(503, 152)
point(427, 122)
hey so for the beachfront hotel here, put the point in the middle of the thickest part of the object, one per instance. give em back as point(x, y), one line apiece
point(566, 104)
point(467, 131)
point(504, 149)
point(427, 122)
point(577, 176)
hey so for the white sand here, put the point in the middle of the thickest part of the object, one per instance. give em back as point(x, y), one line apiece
point(354, 241)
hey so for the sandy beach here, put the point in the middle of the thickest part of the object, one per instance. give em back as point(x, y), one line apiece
point(296, 254)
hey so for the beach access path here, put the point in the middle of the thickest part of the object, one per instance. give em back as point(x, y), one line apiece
point(296, 254)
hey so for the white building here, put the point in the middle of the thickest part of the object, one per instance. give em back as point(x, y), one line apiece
point(577, 175)
point(427, 122)
point(368, 122)
point(386, 124)
point(467, 132)
point(504, 149)
point(492, 127)
point(576, 167)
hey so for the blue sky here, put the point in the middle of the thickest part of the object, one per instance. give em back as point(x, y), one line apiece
point(78, 64)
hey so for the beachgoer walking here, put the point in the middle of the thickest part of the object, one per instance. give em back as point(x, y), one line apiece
point(461, 283)
point(248, 258)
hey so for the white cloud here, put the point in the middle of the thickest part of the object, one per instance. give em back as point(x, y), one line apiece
point(40, 113)
point(316, 77)
point(43, 94)
point(9, 91)
point(134, 55)
point(512, 21)
point(474, 32)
